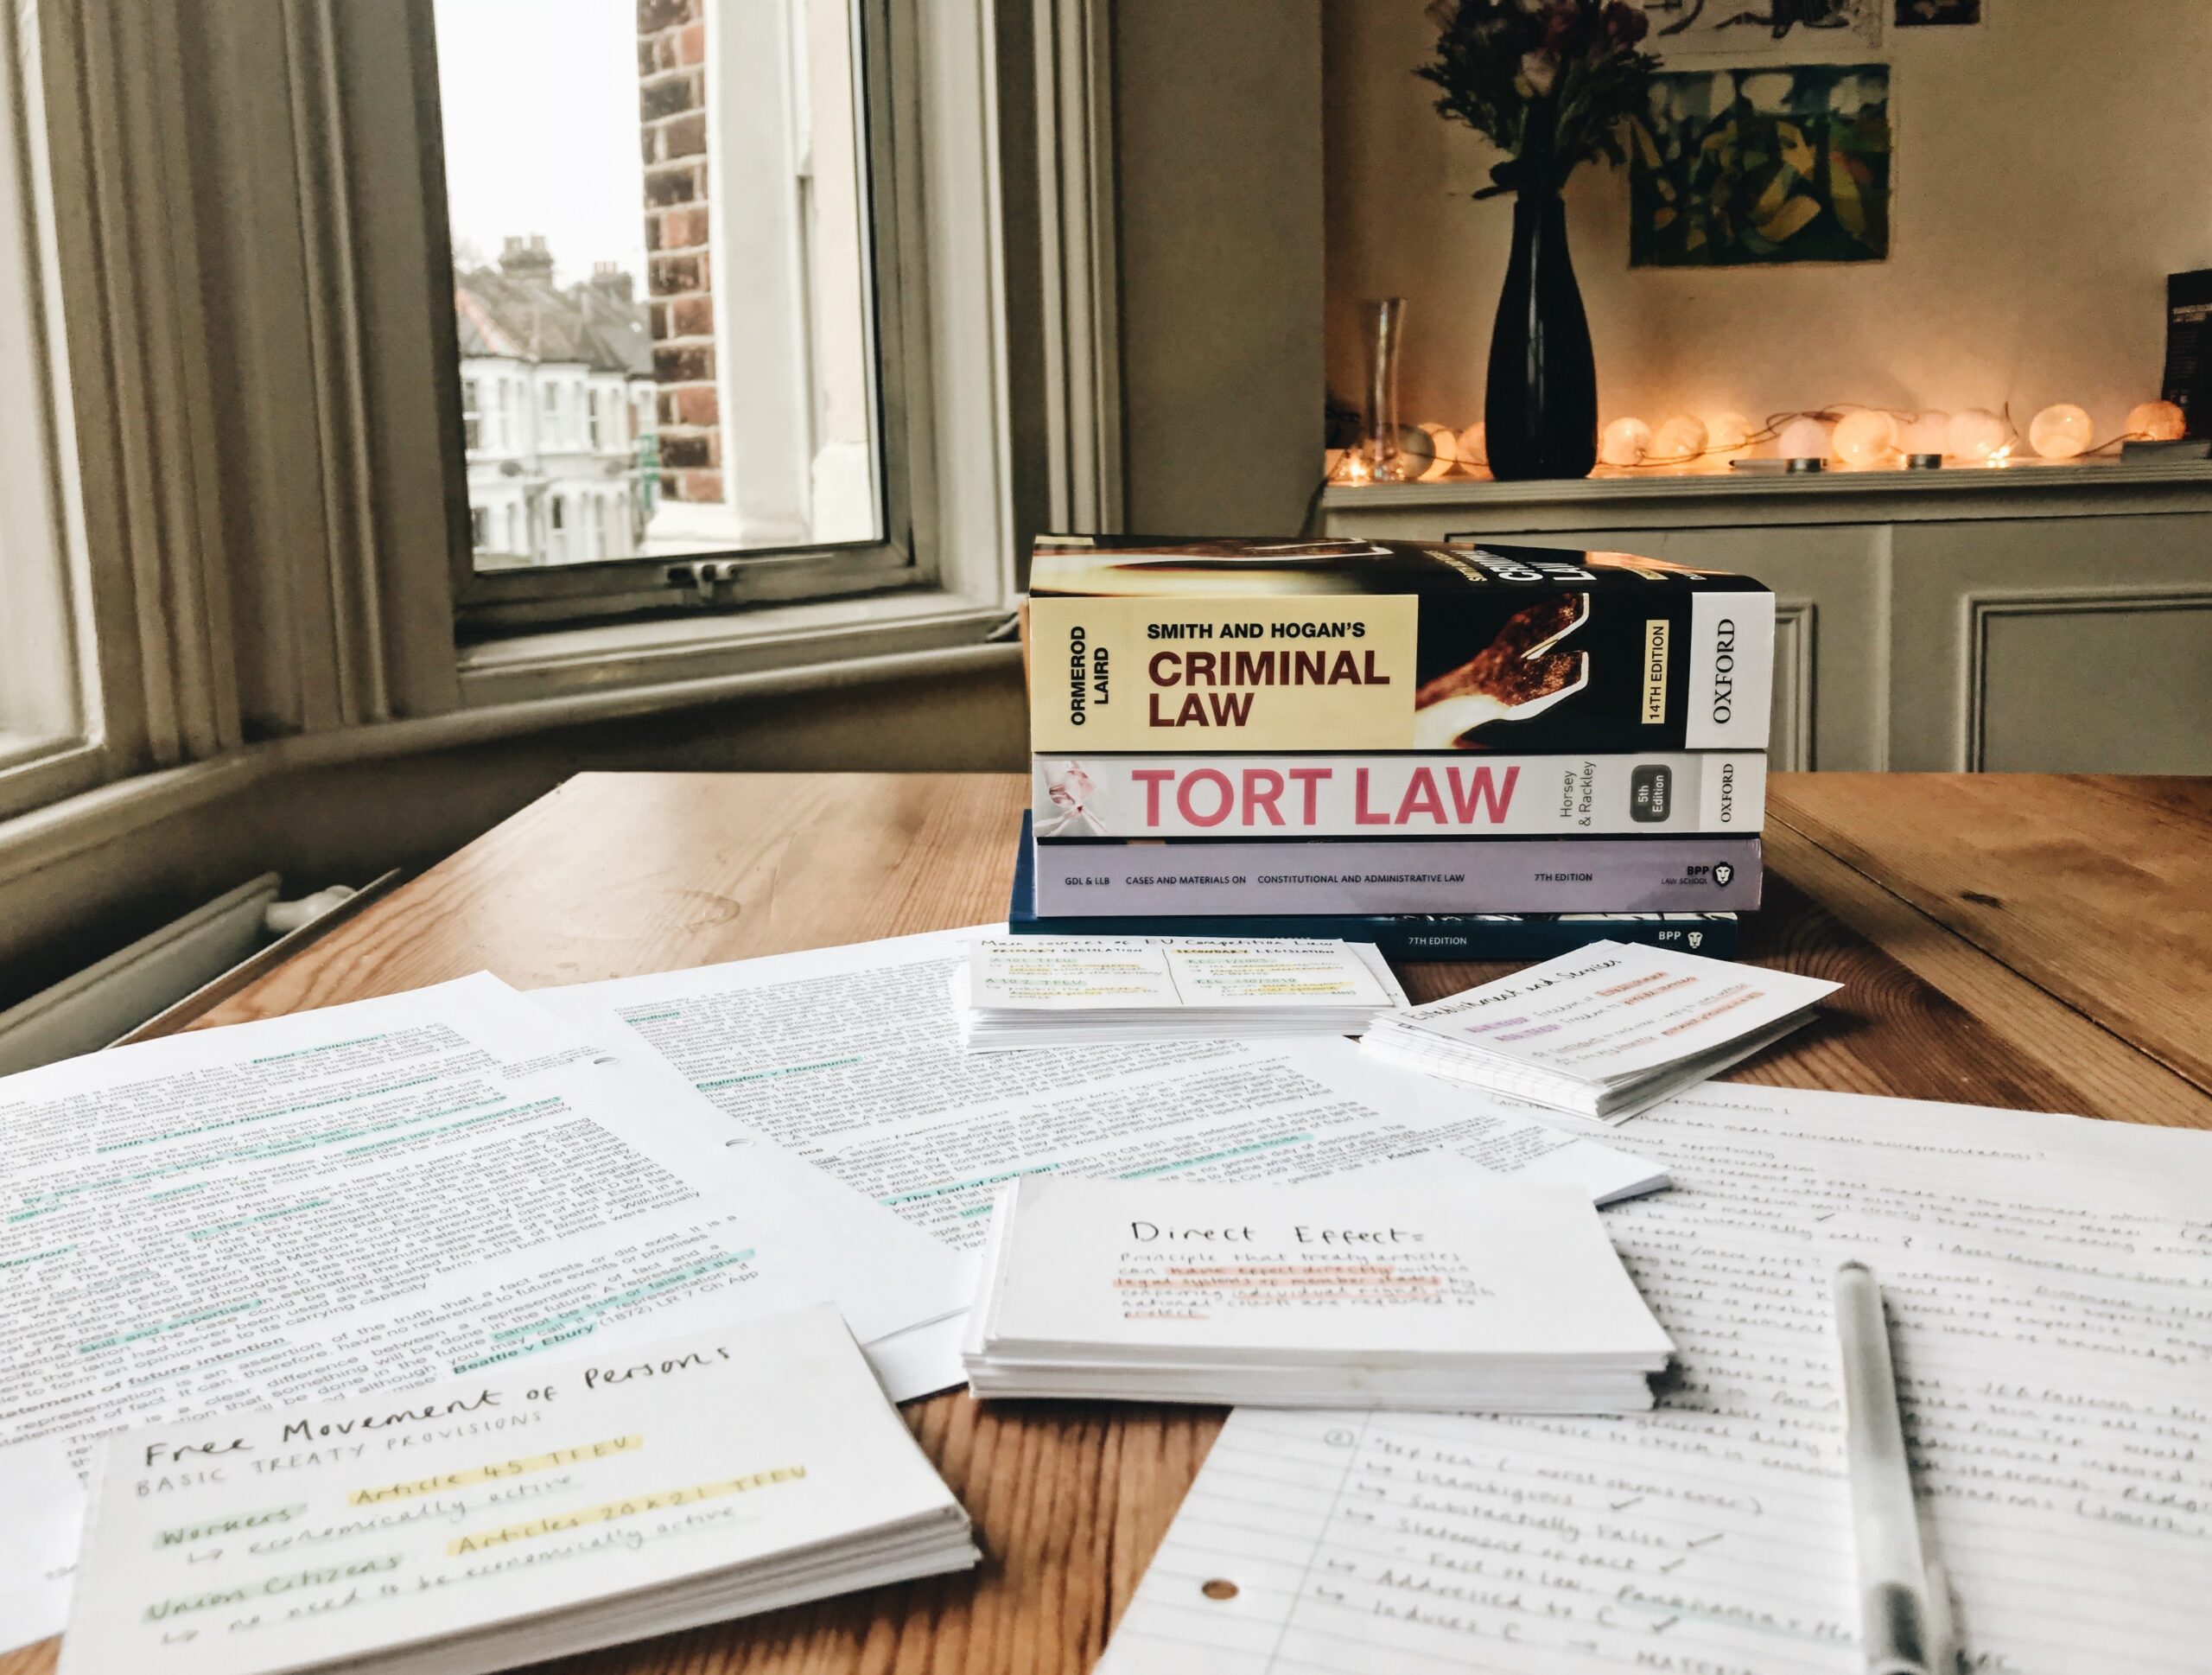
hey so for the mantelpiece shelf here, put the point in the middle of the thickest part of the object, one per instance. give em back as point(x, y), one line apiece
point(2036, 617)
point(2035, 490)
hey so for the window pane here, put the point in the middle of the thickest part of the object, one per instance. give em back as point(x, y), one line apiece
point(661, 276)
point(41, 708)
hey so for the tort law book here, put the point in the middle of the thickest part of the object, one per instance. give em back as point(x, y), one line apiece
point(1397, 792)
point(1195, 646)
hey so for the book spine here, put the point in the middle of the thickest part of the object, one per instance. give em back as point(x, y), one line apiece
point(1435, 936)
point(1391, 794)
point(1569, 671)
point(1429, 875)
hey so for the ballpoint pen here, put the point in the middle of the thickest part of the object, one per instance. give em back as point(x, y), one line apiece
point(1903, 1628)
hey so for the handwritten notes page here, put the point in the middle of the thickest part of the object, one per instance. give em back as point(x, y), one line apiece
point(519, 1514)
point(370, 1197)
point(2047, 1279)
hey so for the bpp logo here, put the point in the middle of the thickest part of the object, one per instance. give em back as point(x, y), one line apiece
point(1724, 873)
point(1697, 939)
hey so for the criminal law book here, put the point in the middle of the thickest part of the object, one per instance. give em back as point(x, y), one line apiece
point(1384, 794)
point(522, 1513)
point(1419, 1286)
point(1179, 645)
point(1395, 876)
point(1603, 1033)
point(1395, 936)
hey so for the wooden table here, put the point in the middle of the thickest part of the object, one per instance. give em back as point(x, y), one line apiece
point(2034, 942)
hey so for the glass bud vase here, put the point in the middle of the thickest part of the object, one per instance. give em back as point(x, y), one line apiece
point(1383, 445)
point(1540, 407)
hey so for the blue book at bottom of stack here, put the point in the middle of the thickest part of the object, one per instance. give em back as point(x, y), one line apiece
point(1400, 936)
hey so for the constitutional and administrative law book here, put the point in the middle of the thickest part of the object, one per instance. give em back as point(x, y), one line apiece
point(1181, 647)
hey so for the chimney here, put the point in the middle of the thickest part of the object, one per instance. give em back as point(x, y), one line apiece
point(527, 257)
point(611, 279)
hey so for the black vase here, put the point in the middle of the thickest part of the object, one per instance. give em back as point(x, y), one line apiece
point(1540, 410)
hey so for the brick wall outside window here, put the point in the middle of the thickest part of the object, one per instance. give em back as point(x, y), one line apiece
point(672, 112)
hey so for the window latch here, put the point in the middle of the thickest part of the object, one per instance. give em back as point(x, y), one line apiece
point(700, 577)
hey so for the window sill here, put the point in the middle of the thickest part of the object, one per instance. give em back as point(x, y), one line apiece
point(81, 817)
point(35, 771)
point(721, 646)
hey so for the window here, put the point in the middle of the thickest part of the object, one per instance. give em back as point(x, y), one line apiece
point(682, 205)
point(417, 499)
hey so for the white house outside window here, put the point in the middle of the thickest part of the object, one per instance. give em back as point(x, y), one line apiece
point(670, 198)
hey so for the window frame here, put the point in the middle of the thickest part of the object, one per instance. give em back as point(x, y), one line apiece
point(582, 593)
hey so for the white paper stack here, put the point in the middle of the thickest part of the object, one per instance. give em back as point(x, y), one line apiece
point(1441, 1289)
point(1066, 991)
point(523, 1513)
point(1603, 1032)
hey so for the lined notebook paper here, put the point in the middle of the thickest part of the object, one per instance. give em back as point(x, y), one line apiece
point(2049, 1283)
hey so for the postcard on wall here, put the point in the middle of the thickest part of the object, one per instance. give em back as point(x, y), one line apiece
point(1738, 31)
point(1746, 168)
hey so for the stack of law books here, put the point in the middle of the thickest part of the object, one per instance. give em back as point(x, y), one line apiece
point(1450, 751)
point(1430, 1286)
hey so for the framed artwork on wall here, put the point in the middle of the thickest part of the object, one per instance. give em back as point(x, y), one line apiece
point(1760, 165)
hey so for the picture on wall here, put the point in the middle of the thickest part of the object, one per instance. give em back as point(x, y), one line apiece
point(1736, 30)
point(1913, 14)
point(1742, 168)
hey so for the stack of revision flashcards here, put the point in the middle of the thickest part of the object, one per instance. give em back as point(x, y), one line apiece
point(1602, 1032)
point(1066, 991)
point(518, 1514)
point(1444, 1289)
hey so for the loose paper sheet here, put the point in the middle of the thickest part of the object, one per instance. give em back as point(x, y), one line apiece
point(372, 1197)
point(851, 1058)
point(317, 1535)
point(2046, 1278)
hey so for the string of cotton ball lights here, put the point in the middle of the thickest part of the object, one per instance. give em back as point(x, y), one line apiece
point(1858, 438)
point(1869, 438)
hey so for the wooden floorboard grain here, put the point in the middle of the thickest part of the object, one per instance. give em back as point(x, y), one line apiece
point(2097, 890)
point(615, 874)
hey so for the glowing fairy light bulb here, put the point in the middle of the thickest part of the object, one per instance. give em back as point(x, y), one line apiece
point(1443, 450)
point(1805, 438)
point(1625, 442)
point(2157, 421)
point(1728, 436)
point(1679, 442)
point(2060, 431)
point(1474, 444)
point(1976, 435)
point(1866, 438)
point(1929, 433)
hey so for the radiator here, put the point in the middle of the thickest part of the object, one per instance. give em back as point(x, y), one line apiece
point(84, 1013)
